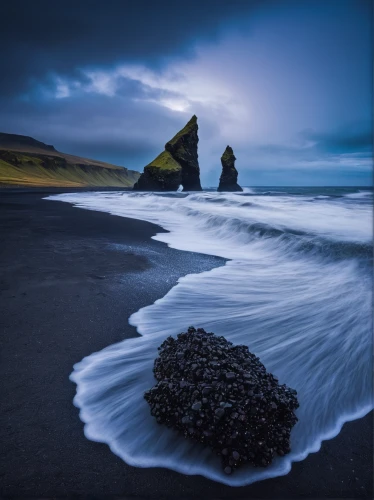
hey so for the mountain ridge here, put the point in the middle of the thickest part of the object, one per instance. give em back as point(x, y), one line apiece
point(25, 161)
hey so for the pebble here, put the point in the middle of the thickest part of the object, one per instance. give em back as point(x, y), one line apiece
point(196, 406)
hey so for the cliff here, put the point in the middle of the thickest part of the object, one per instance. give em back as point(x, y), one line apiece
point(25, 161)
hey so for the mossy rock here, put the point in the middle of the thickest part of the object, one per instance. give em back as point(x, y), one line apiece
point(189, 128)
point(228, 156)
point(177, 165)
point(162, 174)
point(165, 161)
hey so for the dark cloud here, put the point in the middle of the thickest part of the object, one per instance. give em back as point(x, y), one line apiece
point(353, 139)
point(134, 153)
point(343, 141)
point(40, 36)
point(116, 129)
point(276, 67)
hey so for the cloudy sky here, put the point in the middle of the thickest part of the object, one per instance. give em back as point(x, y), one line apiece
point(286, 83)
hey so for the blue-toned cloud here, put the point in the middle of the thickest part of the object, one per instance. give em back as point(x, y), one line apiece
point(287, 84)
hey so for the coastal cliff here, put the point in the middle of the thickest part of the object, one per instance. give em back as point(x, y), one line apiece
point(26, 162)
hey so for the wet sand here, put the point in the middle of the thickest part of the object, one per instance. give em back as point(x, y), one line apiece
point(69, 280)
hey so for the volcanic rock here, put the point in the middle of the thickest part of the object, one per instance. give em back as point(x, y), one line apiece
point(229, 176)
point(162, 174)
point(237, 408)
point(183, 148)
point(177, 165)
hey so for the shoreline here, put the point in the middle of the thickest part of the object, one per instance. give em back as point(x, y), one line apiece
point(53, 251)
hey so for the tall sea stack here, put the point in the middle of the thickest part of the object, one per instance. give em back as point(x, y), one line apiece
point(229, 176)
point(177, 165)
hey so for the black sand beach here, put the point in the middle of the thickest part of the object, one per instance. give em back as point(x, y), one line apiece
point(69, 280)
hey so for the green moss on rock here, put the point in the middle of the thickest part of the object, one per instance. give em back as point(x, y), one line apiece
point(165, 161)
point(189, 128)
point(228, 155)
point(177, 165)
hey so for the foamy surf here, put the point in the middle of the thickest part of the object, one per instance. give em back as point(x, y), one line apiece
point(297, 291)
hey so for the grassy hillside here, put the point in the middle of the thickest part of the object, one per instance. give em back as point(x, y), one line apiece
point(27, 162)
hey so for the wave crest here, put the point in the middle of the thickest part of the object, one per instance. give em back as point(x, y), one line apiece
point(298, 292)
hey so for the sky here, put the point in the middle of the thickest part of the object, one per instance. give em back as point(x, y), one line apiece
point(286, 83)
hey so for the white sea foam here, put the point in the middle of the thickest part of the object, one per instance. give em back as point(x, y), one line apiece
point(360, 194)
point(297, 291)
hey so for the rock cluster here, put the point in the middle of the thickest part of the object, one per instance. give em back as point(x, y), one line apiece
point(221, 395)
point(229, 176)
point(177, 165)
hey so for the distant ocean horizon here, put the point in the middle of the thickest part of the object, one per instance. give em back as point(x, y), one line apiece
point(296, 288)
point(349, 188)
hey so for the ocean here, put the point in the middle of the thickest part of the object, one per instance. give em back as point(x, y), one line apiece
point(296, 288)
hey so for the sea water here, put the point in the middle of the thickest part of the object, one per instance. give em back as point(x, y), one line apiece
point(297, 289)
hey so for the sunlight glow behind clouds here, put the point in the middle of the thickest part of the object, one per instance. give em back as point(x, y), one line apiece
point(276, 92)
point(62, 89)
point(179, 86)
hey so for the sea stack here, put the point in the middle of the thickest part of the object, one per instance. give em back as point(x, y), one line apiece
point(229, 177)
point(176, 165)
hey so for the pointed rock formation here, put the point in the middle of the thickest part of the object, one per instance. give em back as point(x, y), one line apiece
point(183, 148)
point(229, 177)
point(177, 165)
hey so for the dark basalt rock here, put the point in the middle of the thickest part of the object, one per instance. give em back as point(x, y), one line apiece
point(229, 176)
point(177, 165)
point(162, 174)
point(183, 148)
point(221, 395)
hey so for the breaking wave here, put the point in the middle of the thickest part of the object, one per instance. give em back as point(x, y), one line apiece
point(297, 289)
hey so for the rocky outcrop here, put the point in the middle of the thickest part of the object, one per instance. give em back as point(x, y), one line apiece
point(183, 148)
point(177, 165)
point(162, 174)
point(221, 395)
point(229, 176)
